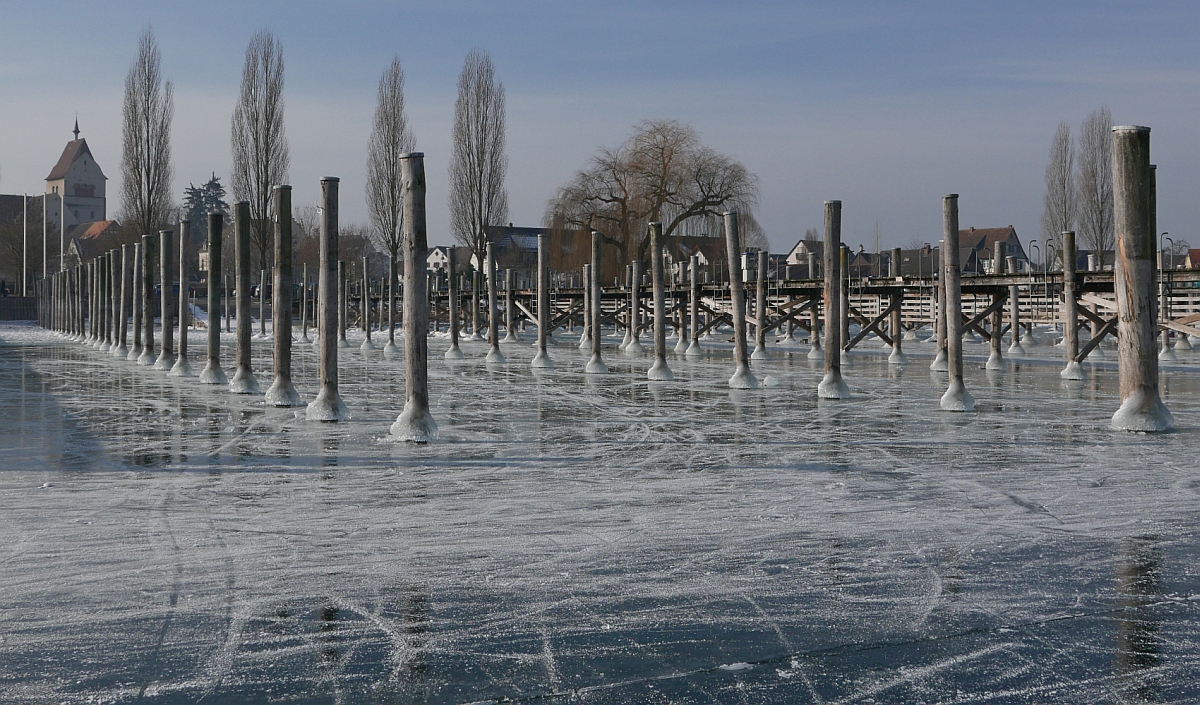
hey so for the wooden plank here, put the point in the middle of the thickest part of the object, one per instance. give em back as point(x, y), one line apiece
point(1101, 302)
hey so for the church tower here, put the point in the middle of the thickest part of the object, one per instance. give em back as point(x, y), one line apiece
point(75, 187)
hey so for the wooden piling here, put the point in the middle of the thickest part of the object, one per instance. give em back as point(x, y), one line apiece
point(595, 365)
point(182, 368)
point(135, 350)
point(494, 355)
point(166, 355)
point(453, 353)
point(282, 392)
point(343, 306)
point(365, 309)
point(742, 377)
point(415, 423)
point(694, 349)
point(956, 398)
point(243, 381)
point(995, 361)
point(760, 307)
point(328, 405)
point(1014, 310)
point(541, 358)
point(510, 311)
point(304, 291)
point(896, 325)
point(940, 363)
point(262, 303)
point(1073, 370)
point(634, 346)
point(659, 370)
point(1134, 281)
point(212, 372)
point(127, 255)
point(585, 339)
point(832, 386)
point(147, 356)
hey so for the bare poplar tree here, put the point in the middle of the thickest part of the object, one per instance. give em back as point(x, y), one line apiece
point(147, 113)
point(478, 165)
point(260, 148)
point(390, 138)
point(1058, 215)
point(1095, 205)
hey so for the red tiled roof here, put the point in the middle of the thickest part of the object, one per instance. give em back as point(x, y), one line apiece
point(73, 150)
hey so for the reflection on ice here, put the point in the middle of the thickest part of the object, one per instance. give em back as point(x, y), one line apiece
point(595, 536)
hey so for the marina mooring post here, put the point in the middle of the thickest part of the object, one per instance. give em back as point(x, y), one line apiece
point(127, 255)
point(995, 361)
point(939, 363)
point(1014, 306)
point(595, 365)
point(956, 398)
point(494, 355)
point(147, 356)
point(742, 377)
point(365, 309)
point(453, 352)
point(328, 405)
point(760, 307)
point(510, 310)
point(281, 392)
point(832, 386)
point(896, 325)
point(243, 381)
point(694, 349)
point(541, 358)
point(1073, 370)
point(659, 370)
point(415, 423)
point(343, 304)
point(212, 372)
point(1142, 409)
point(585, 340)
point(182, 367)
point(634, 346)
point(166, 355)
point(135, 350)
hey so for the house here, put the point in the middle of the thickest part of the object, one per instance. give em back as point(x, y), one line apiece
point(978, 245)
point(75, 188)
point(88, 240)
point(1190, 259)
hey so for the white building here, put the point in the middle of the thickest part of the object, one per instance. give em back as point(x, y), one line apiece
point(79, 179)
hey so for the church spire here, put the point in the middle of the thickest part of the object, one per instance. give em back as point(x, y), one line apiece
point(76, 127)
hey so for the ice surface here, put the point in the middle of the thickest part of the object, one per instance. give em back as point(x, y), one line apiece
point(596, 538)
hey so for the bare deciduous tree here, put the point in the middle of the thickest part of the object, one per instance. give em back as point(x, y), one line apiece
point(478, 164)
point(260, 148)
point(1058, 215)
point(390, 138)
point(147, 113)
point(1094, 181)
point(661, 173)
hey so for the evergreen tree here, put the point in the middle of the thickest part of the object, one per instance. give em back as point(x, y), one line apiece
point(198, 202)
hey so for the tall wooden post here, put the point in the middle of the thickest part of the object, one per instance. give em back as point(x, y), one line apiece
point(453, 353)
point(634, 346)
point(742, 377)
point(281, 392)
point(1073, 370)
point(1014, 307)
point(126, 295)
point(659, 370)
point(1134, 281)
point(595, 365)
point(940, 363)
point(228, 309)
point(328, 405)
point(510, 311)
point(494, 355)
point(166, 356)
point(343, 305)
point(415, 423)
point(262, 303)
point(106, 316)
point(694, 348)
point(475, 285)
point(147, 356)
point(541, 359)
point(896, 325)
point(585, 339)
point(212, 372)
point(365, 309)
point(832, 386)
point(135, 350)
point(243, 381)
point(956, 398)
point(995, 360)
point(685, 323)
point(114, 312)
point(760, 307)
point(304, 289)
point(182, 367)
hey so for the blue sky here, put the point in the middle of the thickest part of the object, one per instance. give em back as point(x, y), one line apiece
point(885, 105)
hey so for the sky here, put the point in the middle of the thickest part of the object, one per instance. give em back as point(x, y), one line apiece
point(884, 105)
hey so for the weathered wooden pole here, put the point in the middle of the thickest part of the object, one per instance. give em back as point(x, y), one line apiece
point(328, 405)
point(585, 339)
point(135, 350)
point(365, 316)
point(1073, 370)
point(628, 337)
point(541, 359)
point(343, 305)
point(940, 363)
point(390, 350)
point(182, 367)
point(634, 346)
point(685, 323)
point(415, 423)
point(760, 307)
point(494, 354)
point(228, 310)
point(1014, 306)
point(742, 377)
point(816, 352)
point(166, 356)
point(105, 302)
point(282, 392)
point(1165, 354)
point(475, 285)
point(659, 370)
point(114, 312)
point(510, 311)
point(844, 296)
point(304, 289)
point(1134, 281)
point(956, 398)
point(996, 356)
point(127, 254)
point(212, 372)
point(453, 353)
point(243, 381)
point(833, 386)
point(896, 325)
point(262, 303)
point(147, 356)
point(595, 365)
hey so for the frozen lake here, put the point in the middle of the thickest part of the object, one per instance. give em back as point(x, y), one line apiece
point(609, 540)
